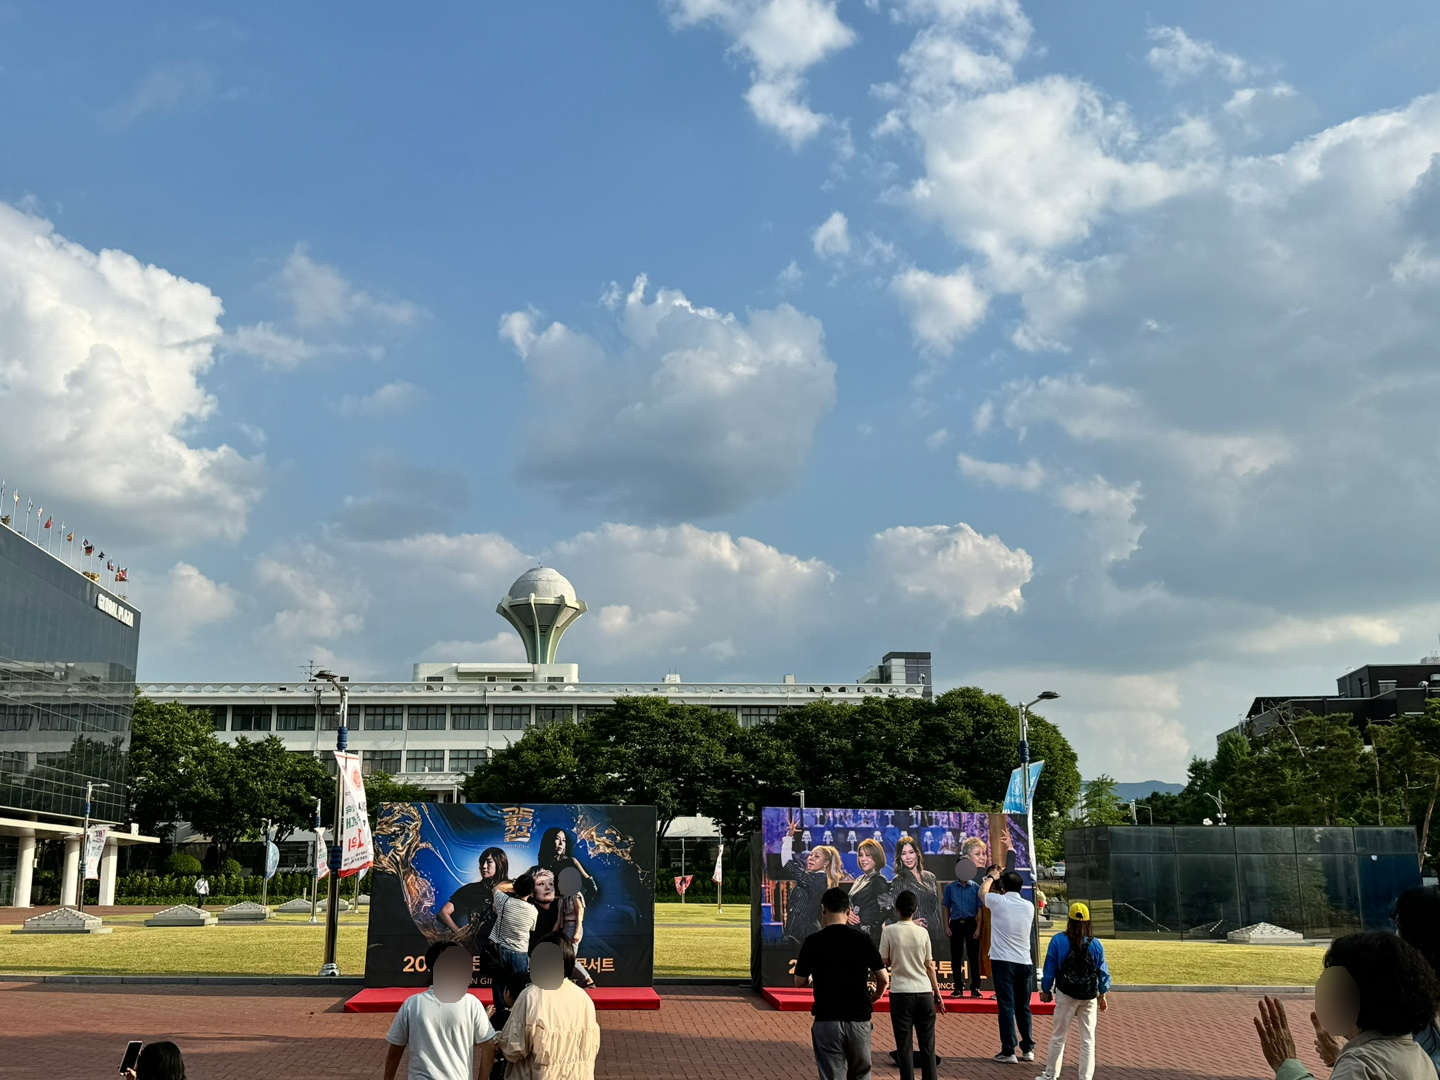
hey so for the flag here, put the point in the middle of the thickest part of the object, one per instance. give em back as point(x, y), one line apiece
point(101, 555)
point(1015, 793)
point(122, 574)
point(49, 521)
point(109, 565)
point(357, 851)
point(89, 547)
point(5, 520)
point(322, 864)
point(94, 849)
point(70, 538)
point(718, 876)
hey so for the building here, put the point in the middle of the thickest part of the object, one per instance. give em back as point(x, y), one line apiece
point(67, 686)
point(1375, 693)
point(439, 727)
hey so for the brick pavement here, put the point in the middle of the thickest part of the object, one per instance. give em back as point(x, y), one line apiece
point(59, 1032)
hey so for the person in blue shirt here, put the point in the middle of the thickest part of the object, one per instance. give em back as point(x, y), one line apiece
point(1077, 979)
point(961, 903)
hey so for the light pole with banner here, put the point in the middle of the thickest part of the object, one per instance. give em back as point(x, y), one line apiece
point(90, 788)
point(1045, 695)
point(332, 901)
point(272, 861)
point(317, 853)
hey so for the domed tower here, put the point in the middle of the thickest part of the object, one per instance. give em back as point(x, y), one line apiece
point(541, 605)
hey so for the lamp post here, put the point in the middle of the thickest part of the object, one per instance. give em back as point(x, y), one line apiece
point(1134, 813)
point(801, 795)
point(90, 787)
point(265, 862)
point(1045, 695)
point(332, 901)
point(1219, 801)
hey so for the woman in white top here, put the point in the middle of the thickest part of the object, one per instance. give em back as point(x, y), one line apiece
point(914, 987)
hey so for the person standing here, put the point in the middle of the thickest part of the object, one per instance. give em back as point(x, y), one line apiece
point(470, 910)
point(1011, 920)
point(870, 897)
point(837, 961)
point(914, 988)
point(961, 906)
point(202, 890)
point(821, 869)
point(442, 1026)
point(910, 873)
point(1077, 979)
point(551, 1033)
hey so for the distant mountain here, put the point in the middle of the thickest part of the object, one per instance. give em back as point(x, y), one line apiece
point(1142, 788)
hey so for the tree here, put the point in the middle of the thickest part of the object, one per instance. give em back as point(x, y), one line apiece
point(168, 744)
point(1409, 758)
point(1102, 805)
point(383, 788)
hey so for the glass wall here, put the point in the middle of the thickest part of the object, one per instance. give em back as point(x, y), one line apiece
point(67, 686)
point(1203, 882)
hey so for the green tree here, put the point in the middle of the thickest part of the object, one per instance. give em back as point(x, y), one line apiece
point(170, 746)
point(555, 763)
point(1409, 762)
point(1102, 805)
point(383, 788)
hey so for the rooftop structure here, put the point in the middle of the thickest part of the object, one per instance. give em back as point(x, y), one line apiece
point(1374, 693)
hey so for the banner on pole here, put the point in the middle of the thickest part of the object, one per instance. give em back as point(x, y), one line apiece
point(322, 857)
point(94, 848)
point(682, 883)
point(272, 859)
point(1015, 793)
point(718, 876)
point(357, 850)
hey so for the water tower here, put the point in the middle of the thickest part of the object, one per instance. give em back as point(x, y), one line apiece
point(541, 605)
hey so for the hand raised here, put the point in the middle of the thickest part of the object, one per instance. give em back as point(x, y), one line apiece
point(1273, 1027)
point(1326, 1045)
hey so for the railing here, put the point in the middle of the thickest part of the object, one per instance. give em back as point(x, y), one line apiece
point(626, 689)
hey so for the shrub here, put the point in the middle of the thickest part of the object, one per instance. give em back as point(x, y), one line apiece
point(180, 864)
point(231, 868)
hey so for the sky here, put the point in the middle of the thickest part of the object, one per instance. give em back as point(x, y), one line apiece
point(1088, 347)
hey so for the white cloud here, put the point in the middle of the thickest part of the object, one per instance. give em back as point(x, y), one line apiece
point(831, 239)
point(1291, 634)
point(937, 438)
point(1025, 477)
point(393, 397)
point(1177, 57)
point(186, 601)
point(275, 348)
point(169, 87)
point(321, 296)
point(1112, 510)
point(102, 355)
point(505, 646)
point(942, 308)
point(790, 277)
point(699, 414)
point(952, 568)
point(321, 600)
point(780, 39)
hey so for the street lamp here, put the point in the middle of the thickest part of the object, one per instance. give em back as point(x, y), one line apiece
point(1134, 813)
point(1045, 695)
point(1219, 801)
point(801, 795)
point(332, 901)
point(90, 787)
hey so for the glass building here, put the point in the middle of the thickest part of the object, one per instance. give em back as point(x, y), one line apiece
point(67, 687)
point(1203, 881)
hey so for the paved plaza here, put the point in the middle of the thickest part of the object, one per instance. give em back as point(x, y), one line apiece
point(59, 1031)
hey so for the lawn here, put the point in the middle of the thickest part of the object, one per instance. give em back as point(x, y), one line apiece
point(690, 940)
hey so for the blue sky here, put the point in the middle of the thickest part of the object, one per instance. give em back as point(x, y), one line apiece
point(1087, 346)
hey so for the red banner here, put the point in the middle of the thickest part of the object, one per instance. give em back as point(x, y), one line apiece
point(682, 884)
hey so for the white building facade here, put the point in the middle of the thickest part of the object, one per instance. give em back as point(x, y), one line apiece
point(437, 729)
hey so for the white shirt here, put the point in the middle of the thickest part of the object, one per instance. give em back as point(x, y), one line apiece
point(441, 1036)
point(1011, 917)
point(905, 948)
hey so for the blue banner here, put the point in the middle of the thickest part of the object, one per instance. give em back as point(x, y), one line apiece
point(1015, 793)
point(272, 860)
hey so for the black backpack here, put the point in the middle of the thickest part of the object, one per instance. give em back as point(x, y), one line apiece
point(1079, 975)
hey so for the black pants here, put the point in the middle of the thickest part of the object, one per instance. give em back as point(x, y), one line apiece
point(1012, 997)
point(914, 1012)
point(964, 946)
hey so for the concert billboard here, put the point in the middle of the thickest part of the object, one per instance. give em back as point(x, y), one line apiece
point(799, 853)
point(437, 865)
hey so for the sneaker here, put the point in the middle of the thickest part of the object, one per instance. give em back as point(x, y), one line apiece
point(1029, 1055)
point(976, 993)
point(957, 992)
point(1005, 1059)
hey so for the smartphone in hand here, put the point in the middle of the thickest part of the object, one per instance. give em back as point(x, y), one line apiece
point(132, 1055)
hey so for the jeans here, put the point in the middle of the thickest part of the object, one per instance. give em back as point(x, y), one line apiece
point(842, 1049)
point(914, 1012)
point(511, 961)
point(1012, 995)
point(1067, 1009)
point(964, 947)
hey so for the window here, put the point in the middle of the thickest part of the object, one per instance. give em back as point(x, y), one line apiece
point(512, 717)
point(467, 761)
point(380, 761)
point(330, 718)
point(425, 761)
point(587, 711)
point(750, 715)
point(550, 714)
point(51, 759)
point(219, 715)
point(250, 718)
point(468, 718)
point(427, 718)
point(14, 761)
point(385, 718)
point(295, 718)
point(731, 709)
point(16, 718)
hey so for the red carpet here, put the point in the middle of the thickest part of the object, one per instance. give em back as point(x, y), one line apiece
point(606, 998)
point(795, 999)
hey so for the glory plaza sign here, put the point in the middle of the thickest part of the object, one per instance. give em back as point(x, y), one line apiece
point(114, 610)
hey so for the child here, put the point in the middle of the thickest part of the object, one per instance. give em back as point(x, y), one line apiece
point(1077, 979)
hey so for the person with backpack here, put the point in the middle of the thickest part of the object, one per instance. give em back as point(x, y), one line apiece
point(1077, 979)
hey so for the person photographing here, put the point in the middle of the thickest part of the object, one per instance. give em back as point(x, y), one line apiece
point(1011, 919)
point(1077, 979)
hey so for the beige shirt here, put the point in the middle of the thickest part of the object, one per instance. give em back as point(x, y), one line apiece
point(1371, 1056)
point(551, 1035)
point(905, 948)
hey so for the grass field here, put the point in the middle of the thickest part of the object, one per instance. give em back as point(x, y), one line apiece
point(690, 940)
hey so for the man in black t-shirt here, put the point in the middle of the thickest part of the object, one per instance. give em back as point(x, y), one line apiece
point(837, 961)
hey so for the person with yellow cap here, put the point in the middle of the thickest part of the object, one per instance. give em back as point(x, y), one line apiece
point(1077, 979)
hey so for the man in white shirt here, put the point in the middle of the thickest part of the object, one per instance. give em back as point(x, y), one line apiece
point(1011, 966)
point(442, 1026)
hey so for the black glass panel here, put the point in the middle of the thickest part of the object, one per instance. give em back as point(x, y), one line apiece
point(1378, 841)
point(1143, 895)
point(1270, 891)
point(1329, 894)
point(1265, 840)
point(1382, 879)
point(1324, 840)
point(1203, 839)
point(1138, 838)
point(1209, 894)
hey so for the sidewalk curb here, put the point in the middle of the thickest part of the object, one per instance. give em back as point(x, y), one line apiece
point(1159, 988)
point(188, 980)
